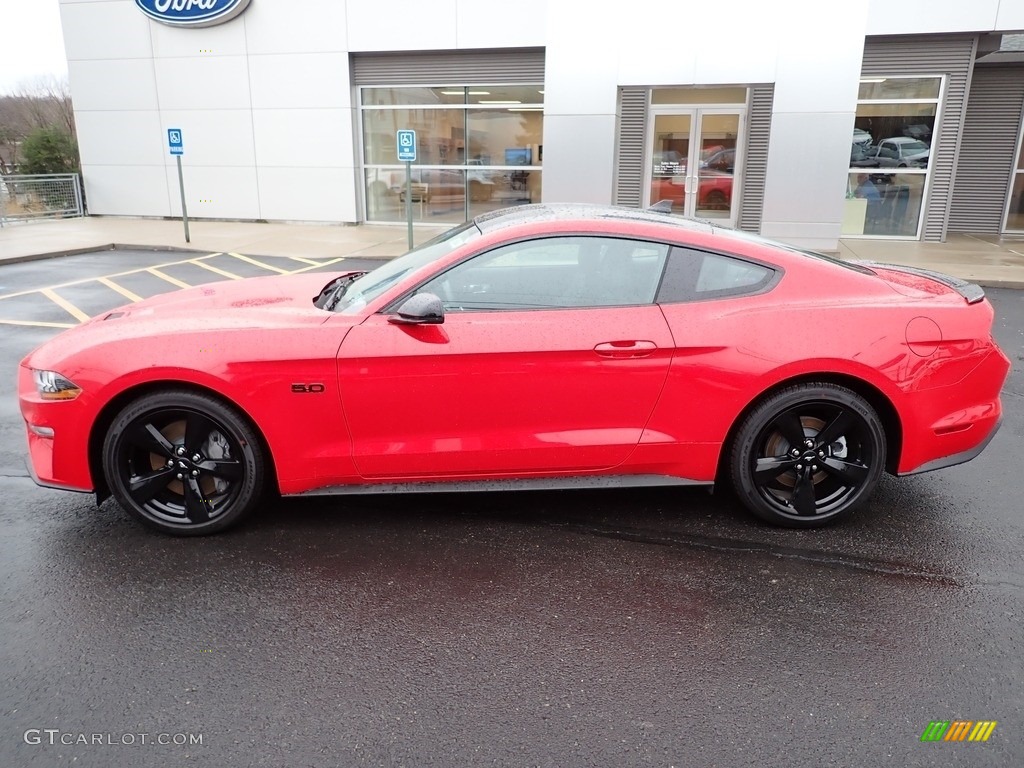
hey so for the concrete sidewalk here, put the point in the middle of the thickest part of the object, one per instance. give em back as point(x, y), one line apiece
point(25, 241)
point(990, 261)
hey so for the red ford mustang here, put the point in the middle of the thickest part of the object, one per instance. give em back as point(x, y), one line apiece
point(535, 347)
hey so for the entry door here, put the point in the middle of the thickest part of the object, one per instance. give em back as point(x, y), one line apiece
point(693, 161)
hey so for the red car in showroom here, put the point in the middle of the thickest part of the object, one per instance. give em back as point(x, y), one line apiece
point(550, 346)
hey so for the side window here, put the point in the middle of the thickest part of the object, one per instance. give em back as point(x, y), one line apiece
point(693, 275)
point(553, 273)
point(720, 273)
point(888, 150)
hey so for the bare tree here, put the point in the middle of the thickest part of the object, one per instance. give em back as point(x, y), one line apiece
point(48, 103)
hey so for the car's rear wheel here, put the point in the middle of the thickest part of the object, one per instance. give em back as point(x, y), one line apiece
point(183, 462)
point(808, 455)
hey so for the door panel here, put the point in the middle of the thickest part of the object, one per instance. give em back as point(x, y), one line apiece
point(512, 392)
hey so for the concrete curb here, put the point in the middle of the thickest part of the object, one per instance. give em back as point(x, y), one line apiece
point(168, 249)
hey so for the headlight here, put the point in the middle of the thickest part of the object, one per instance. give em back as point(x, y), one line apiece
point(52, 386)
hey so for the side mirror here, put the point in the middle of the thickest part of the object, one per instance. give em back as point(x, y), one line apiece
point(421, 309)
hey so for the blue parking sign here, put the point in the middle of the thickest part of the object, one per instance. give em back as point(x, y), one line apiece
point(174, 141)
point(407, 146)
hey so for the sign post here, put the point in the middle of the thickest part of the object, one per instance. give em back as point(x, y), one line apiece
point(178, 149)
point(407, 155)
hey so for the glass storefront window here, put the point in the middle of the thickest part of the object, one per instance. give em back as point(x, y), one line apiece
point(446, 195)
point(897, 135)
point(1015, 205)
point(505, 136)
point(890, 156)
point(506, 95)
point(440, 135)
point(699, 96)
point(883, 203)
point(900, 88)
point(479, 148)
point(1015, 215)
point(379, 97)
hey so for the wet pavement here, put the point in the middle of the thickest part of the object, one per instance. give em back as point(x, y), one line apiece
point(643, 627)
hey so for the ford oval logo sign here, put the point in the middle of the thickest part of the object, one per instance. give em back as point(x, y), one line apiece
point(192, 13)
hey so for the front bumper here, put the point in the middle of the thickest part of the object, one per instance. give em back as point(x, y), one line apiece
point(61, 460)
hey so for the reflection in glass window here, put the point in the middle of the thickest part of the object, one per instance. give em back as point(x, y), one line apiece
point(890, 154)
point(554, 273)
point(1015, 205)
point(419, 96)
point(479, 148)
point(1015, 215)
point(720, 273)
point(693, 275)
point(883, 204)
point(902, 88)
point(440, 135)
point(504, 136)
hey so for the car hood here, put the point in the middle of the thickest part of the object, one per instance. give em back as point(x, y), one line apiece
point(230, 298)
point(267, 304)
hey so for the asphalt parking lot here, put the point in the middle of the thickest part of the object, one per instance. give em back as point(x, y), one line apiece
point(652, 627)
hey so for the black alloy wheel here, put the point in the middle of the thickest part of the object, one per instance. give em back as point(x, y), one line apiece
point(808, 455)
point(183, 463)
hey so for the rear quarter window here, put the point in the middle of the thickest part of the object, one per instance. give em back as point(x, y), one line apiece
point(693, 275)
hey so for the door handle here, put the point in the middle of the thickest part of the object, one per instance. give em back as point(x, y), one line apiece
point(624, 350)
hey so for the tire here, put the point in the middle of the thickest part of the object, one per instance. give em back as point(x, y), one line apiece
point(184, 463)
point(716, 200)
point(840, 445)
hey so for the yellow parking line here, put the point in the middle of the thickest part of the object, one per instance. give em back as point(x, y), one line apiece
point(304, 260)
point(64, 304)
point(193, 260)
point(260, 264)
point(321, 264)
point(168, 278)
point(218, 270)
point(120, 289)
point(37, 323)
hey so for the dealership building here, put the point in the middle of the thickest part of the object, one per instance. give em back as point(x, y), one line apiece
point(801, 120)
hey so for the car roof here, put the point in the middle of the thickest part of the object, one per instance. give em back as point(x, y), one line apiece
point(582, 212)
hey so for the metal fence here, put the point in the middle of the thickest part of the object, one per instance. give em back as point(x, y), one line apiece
point(45, 196)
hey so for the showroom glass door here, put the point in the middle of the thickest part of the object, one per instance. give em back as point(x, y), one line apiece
point(693, 155)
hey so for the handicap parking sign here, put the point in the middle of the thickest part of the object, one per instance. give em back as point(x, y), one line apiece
point(175, 142)
point(407, 146)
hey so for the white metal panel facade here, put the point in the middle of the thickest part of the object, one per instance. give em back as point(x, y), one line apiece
point(280, 74)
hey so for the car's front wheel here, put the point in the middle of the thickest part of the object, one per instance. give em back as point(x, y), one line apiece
point(183, 462)
point(808, 455)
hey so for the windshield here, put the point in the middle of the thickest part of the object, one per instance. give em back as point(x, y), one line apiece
point(910, 147)
point(371, 285)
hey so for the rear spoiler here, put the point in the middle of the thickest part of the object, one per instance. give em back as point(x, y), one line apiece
point(972, 292)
